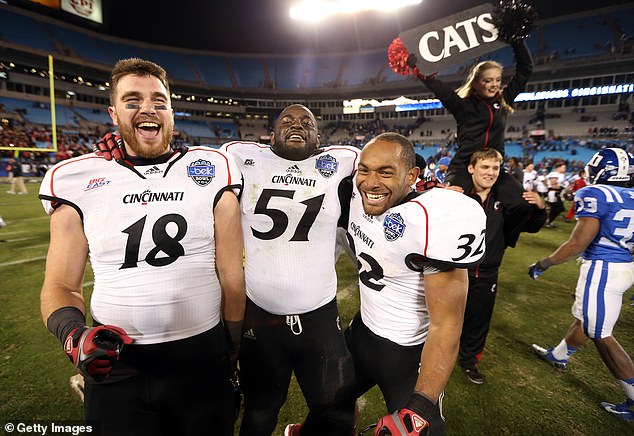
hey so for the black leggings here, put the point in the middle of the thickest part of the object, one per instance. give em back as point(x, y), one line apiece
point(379, 361)
point(180, 388)
point(312, 346)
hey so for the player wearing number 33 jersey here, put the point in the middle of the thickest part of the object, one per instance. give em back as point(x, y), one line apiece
point(604, 237)
point(164, 248)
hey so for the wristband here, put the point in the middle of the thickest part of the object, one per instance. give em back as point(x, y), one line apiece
point(421, 404)
point(64, 320)
point(234, 330)
point(545, 263)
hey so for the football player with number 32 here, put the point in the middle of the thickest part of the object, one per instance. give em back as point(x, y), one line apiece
point(603, 236)
point(412, 252)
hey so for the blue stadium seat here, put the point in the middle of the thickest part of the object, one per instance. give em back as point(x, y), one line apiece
point(83, 45)
point(23, 30)
point(212, 69)
point(360, 68)
point(176, 65)
point(93, 115)
point(198, 129)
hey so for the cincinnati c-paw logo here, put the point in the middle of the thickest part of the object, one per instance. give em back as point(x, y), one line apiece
point(327, 165)
point(202, 172)
point(393, 226)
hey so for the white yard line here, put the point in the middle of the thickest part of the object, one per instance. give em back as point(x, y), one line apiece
point(31, 246)
point(12, 233)
point(35, 218)
point(18, 239)
point(19, 262)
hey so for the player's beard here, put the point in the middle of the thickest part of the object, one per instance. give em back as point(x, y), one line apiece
point(143, 150)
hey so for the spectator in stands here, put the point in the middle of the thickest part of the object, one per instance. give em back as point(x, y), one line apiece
point(555, 180)
point(480, 107)
point(16, 179)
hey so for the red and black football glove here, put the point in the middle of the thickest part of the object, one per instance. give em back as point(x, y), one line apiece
point(420, 417)
point(427, 183)
point(94, 350)
point(110, 146)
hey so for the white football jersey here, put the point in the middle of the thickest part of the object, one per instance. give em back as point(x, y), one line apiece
point(150, 232)
point(436, 229)
point(290, 211)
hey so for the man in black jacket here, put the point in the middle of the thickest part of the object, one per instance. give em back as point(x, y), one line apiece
point(502, 230)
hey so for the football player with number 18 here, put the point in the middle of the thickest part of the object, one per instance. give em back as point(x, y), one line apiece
point(604, 239)
point(412, 252)
point(162, 229)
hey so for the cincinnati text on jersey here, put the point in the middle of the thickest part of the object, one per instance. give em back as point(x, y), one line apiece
point(289, 179)
point(359, 234)
point(148, 196)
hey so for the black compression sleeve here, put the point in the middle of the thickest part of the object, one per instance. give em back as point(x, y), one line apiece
point(64, 320)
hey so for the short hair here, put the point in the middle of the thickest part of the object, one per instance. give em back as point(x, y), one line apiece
point(408, 155)
point(136, 67)
point(489, 153)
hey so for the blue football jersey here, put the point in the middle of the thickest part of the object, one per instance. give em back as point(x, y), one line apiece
point(613, 206)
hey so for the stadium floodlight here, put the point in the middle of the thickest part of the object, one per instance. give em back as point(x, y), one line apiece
point(315, 10)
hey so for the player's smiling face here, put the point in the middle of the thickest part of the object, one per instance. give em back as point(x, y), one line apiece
point(488, 83)
point(144, 115)
point(295, 136)
point(383, 178)
point(485, 173)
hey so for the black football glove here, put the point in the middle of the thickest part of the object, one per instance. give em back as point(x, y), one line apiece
point(420, 417)
point(94, 350)
point(538, 268)
point(110, 146)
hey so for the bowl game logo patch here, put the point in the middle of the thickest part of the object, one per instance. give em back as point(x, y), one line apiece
point(202, 172)
point(393, 226)
point(326, 165)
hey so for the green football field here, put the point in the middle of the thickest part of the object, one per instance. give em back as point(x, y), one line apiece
point(521, 396)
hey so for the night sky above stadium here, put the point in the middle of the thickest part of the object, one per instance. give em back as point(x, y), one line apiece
point(263, 26)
